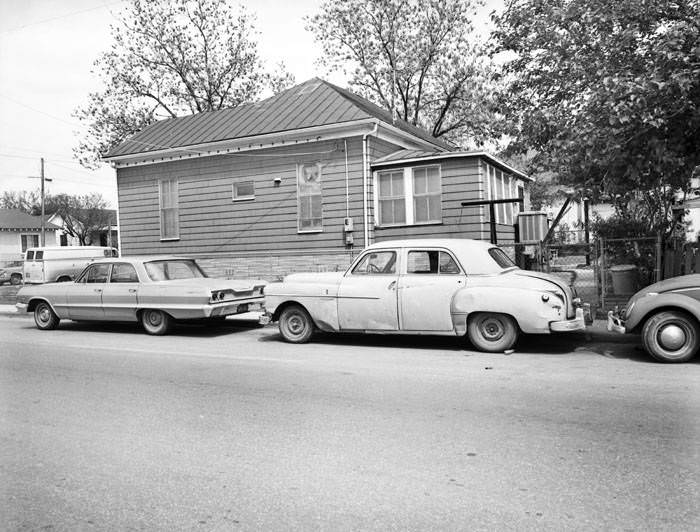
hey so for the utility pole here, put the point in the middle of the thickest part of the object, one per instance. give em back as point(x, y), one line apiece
point(43, 222)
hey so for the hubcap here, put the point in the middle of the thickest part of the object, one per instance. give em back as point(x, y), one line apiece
point(492, 329)
point(154, 318)
point(295, 324)
point(672, 337)
point(44, 315)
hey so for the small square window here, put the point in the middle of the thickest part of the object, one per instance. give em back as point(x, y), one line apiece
point(244, 190)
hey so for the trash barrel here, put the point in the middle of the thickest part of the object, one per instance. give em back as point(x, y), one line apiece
point(624, 278)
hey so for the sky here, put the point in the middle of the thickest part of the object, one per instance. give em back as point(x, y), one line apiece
point(47, 50)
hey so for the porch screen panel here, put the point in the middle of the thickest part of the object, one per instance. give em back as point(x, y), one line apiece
point(392, 199)
point(310, 197)
point(427, 195)
point(169, 209)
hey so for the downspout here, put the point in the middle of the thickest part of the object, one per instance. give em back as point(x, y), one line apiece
point(365, 179)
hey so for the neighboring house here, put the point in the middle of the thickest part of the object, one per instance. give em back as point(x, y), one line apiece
point(299, 181)
point(106, 236)
point(19, 231)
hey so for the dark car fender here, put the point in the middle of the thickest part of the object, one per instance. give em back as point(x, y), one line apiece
point(650, 304)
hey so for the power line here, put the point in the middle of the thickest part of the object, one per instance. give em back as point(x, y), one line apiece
point(43, 21)
point(74, 124)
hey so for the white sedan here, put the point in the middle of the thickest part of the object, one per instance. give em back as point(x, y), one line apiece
point(152, 290)
point(433, 286)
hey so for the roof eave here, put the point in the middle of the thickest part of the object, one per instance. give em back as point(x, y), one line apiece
point(455, 155)
point(276, 139)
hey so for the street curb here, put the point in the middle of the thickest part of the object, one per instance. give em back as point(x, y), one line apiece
point(596, 333)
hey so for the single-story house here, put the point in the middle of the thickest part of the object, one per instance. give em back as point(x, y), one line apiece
point(19, 231)
point(104, 236)
point(300, 181)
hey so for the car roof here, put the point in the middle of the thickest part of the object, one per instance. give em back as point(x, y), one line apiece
point(473, 254)
point(140, 258)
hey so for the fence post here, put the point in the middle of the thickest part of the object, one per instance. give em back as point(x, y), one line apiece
point(601, 242)
point(659, 258)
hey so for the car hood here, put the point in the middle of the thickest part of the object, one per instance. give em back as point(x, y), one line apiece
point(674, 283)
point(315, 278)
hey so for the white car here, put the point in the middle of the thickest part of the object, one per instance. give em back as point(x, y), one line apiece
point(155, 291)
point(433, 286)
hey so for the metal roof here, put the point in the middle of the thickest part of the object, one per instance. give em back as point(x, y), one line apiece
point(14, 219)
point(402, 157)
point(310, 104)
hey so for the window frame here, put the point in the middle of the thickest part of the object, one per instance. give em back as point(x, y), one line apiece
point(361, 258)
point(319, 195)
point(439, 251)
point(234, 190)
point(162, 209)
point(114, 268)
point(23, 241)
point(408, 196)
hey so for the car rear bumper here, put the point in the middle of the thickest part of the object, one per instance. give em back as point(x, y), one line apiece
point(21, 307)
point(576, 324)
point(234, 307)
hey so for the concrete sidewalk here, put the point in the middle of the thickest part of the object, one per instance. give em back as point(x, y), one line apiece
point(594, 333)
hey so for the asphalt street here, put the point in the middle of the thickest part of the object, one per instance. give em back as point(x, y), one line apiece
point(228, 428)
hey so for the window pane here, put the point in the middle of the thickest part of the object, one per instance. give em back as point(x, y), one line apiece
point(435, 208)
point(422, 262)
point(447, 264)
point(384, 185)
point(433, 180)
point(98, 273)
point(420, 209)
point(124, 273)
point(244, 189)
point(399, 211)
point(376, 263)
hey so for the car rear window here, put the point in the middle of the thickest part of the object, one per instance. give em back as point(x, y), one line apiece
point(503, 260)
point(168, 270)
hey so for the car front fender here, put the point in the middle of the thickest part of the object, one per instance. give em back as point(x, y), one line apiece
point(526, 306)
point(649, 304)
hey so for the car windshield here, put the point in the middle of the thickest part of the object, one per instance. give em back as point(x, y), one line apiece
point(169, 270)
point(503, 260)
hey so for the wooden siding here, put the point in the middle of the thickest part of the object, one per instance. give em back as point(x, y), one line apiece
point(211, 223)
point(460, 182)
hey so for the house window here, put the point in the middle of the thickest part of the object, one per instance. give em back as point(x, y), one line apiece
point(29, 241)
point(501, 186)
point(310, 198)
point(392, 201)
point(427, 196)
point(244, 190)
point(169, 212)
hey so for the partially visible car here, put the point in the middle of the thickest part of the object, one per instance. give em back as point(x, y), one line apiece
point(52, 264)
point(431, 286)
point(667, 314)
point(155, 291)
point(11, 272)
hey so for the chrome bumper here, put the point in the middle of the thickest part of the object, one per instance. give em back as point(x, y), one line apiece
point(615, 323)
point(265, 318)
point(22, 307)
point(576, 324)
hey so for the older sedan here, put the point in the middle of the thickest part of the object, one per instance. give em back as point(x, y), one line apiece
point(153, 290)
point(667, 314)
point(435, 286)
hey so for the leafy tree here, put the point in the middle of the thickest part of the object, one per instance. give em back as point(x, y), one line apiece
point(26, 201)
point(83, 216)
point(414, 58)
point(170, 59)
point(607, 92)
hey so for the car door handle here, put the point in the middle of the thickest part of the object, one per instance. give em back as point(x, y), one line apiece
point(98, 290)
point(391, 286)
point(132, 290)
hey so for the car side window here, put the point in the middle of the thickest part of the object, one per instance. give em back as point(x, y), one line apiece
point(98, 273)
point(124, 273)
point(30, 255)
point(431, 261)
point(376, 263)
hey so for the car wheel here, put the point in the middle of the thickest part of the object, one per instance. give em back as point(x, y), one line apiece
point(492, 332)
point(296, 326)
point(16, 279)
point(44, 317)
point(156, 322)
point(671, 336)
